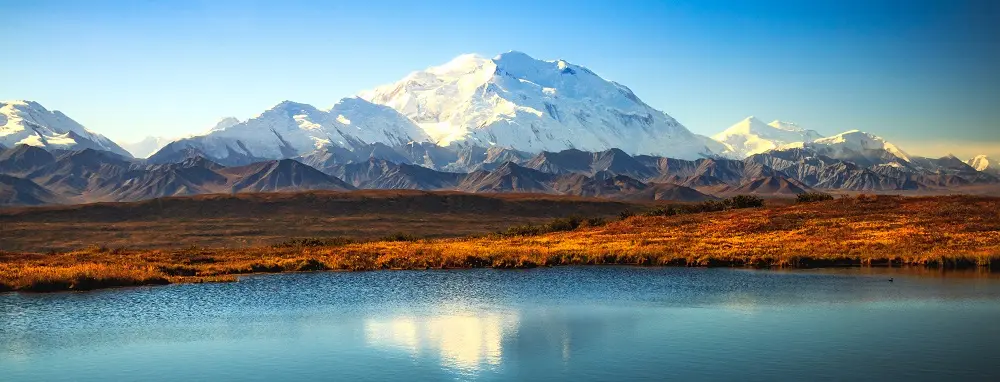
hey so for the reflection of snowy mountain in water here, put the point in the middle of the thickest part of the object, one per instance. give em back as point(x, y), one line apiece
point(468, 343)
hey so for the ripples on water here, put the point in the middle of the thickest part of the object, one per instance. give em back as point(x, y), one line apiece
point(578, 323)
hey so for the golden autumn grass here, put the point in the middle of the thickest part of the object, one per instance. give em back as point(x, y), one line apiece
point(944, 231)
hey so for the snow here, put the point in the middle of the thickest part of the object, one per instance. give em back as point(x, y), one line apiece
point(983, 163)
point(858, 142)
point(32, 140)
point(752, 136)
point(290, 129)
point(225, 123)
point(61, 141)
point(516, 101)
point(146, 146)
point(28, 122)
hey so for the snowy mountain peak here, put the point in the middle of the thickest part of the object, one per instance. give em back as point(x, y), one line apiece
point(984, 163)
point(292, 106)
point(466, 63)
point(752, 136)
point(858, 142)
point(516, 101)
point(290, 129)
point(21, 102)
point(30, 123)
point(225, 123)
point(787, 126)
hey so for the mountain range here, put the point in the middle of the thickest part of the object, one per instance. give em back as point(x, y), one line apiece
point(752, 136)
point(31, 175)
point(506, 124)
point(29, 123)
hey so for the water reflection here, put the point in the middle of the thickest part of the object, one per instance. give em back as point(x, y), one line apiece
point(467, 343)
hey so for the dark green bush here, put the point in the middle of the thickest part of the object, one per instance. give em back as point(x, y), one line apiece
point(744, 201)
point(314, 242)
point(556, 225)
point(523, 230)
point(565, 224)
point(625, 214)
point(739, 201)
point(810, 197)
point(399, 236)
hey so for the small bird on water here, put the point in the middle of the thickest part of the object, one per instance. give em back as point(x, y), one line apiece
point(890, 279)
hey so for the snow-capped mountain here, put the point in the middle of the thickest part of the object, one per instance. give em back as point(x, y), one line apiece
point(752, 136)
point(861, 148)
point(225, 123)
point(985, 164)
point(854, 145)
point(292, 129)
point(147, 146)
point(29, 123)
point(516, 101)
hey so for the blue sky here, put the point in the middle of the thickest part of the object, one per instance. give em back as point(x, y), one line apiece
point(919, 73)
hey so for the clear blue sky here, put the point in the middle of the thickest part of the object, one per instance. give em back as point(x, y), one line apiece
point(920, 73)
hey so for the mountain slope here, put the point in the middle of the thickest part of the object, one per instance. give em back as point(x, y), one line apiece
point(667, 191)
point(22, 192)
point(292, 129)
point(280, 175)
point(509, 177)
point(752, 136)
point(475, 158)
point(74, 173)
point(859, 147)
point(191, 177)
point(516, 101)
point(23, 159)
point(612, 186)
point(29, 123)
point(771, 185)
point(613, 161)
point(985, 164)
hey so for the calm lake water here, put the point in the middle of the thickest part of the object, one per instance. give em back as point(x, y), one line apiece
point(565, 323)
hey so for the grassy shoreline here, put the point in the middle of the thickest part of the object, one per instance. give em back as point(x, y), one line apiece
point(949, 232)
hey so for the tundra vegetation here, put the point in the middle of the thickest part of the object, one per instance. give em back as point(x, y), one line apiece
point(938, 232)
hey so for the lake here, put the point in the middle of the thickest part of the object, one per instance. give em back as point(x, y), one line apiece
point(564, 323)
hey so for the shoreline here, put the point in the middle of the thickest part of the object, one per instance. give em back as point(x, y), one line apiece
point(235, 277)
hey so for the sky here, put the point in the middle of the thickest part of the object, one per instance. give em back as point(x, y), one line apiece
point(918, 73)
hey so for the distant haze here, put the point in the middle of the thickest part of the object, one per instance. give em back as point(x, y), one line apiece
point(919, 73)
